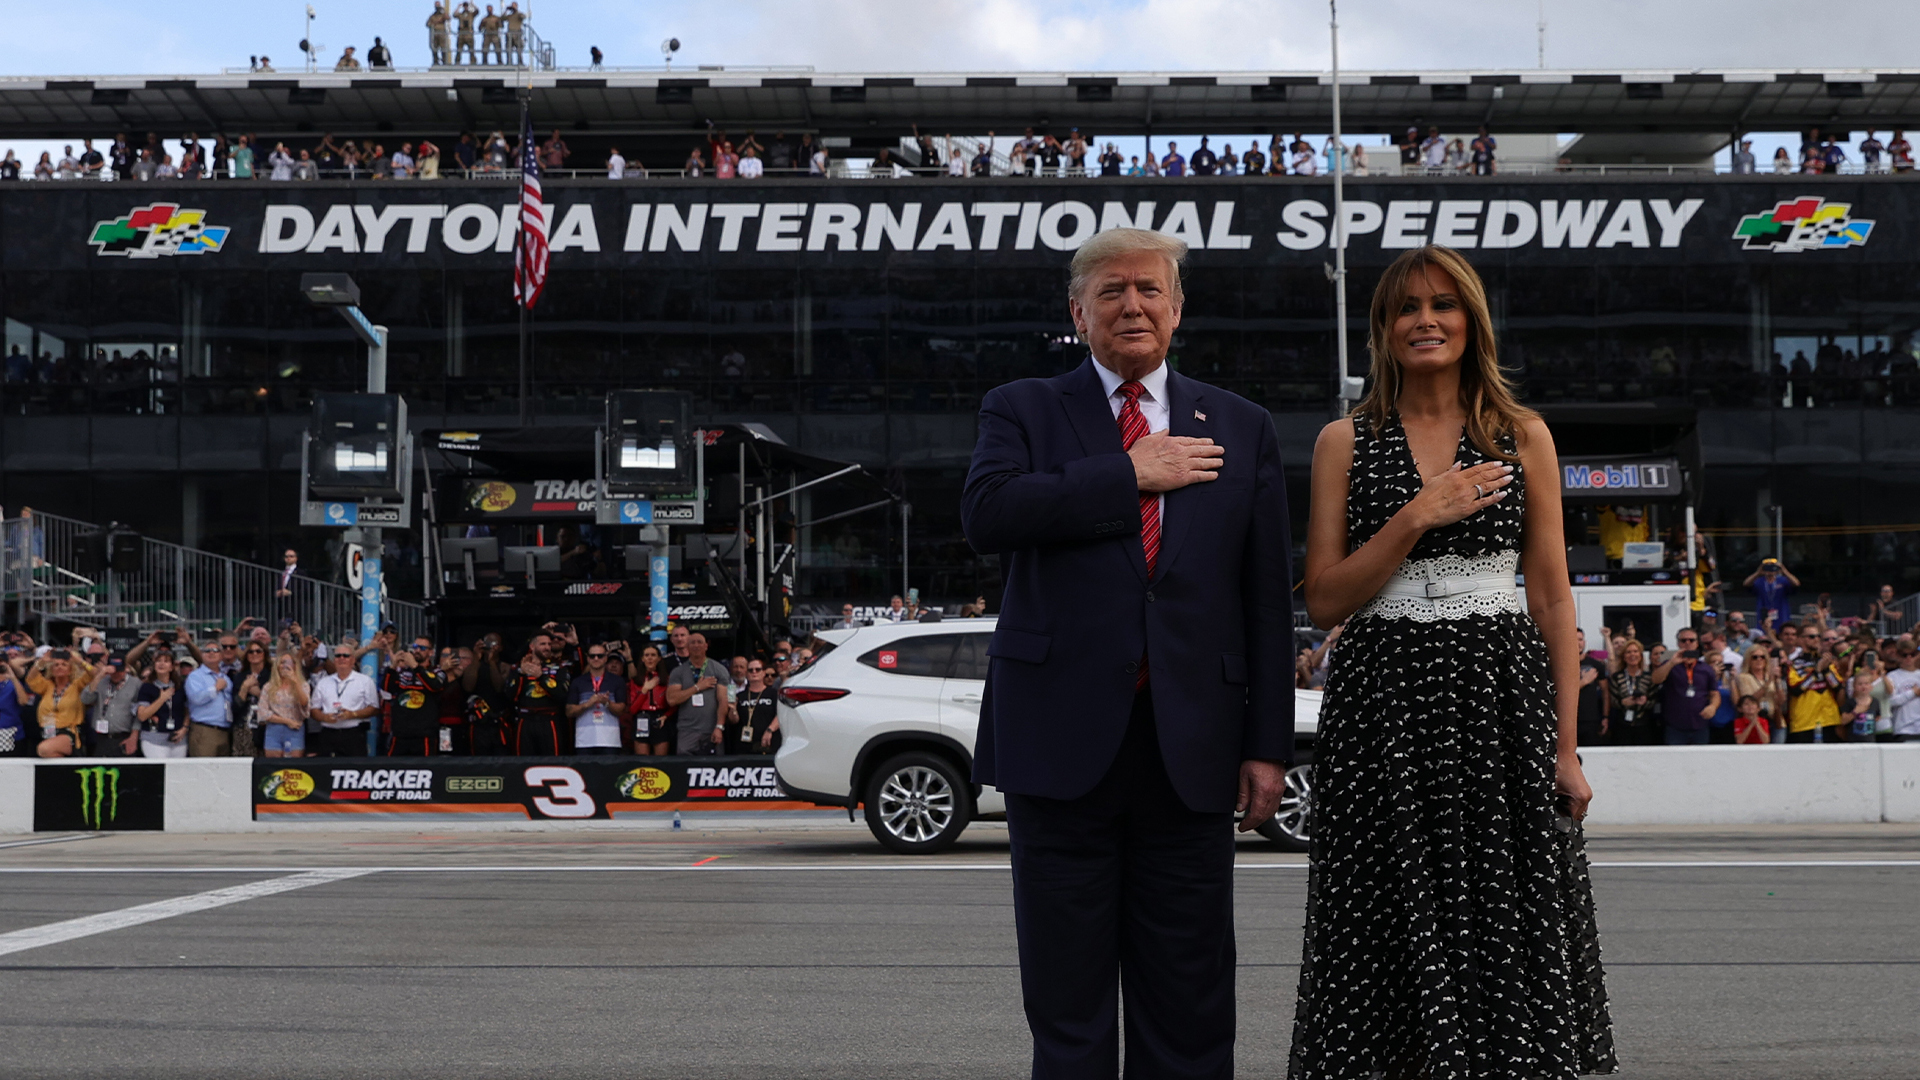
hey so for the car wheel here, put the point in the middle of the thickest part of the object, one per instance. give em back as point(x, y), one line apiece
point(1290, 826)
point(917, 803)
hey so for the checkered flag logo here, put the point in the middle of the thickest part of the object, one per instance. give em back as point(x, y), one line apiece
point(1808, 223)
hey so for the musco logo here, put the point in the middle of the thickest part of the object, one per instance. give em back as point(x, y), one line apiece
point(738, 782)
point(383, 785)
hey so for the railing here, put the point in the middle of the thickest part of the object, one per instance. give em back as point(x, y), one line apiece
point(1909, 608)
point(45, 575)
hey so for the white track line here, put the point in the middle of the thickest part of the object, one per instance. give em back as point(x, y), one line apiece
point(50, 840)
point(87, 926)
point(840, 868)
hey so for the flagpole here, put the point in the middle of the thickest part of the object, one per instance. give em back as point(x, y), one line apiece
point(526, 378)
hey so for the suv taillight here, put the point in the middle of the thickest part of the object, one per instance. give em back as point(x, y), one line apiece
point(807, 695)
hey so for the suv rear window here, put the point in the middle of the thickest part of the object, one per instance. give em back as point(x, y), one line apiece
point(924, 654)
point(970, 658)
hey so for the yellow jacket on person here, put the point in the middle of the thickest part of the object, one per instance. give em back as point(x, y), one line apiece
point(63, 710)
point(1814, 707)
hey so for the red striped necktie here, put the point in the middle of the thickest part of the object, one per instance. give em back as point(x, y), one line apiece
point(1133, 428)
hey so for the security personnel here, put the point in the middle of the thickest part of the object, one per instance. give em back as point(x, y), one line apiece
point(490, 38)
point(463, 17)
point(437, 35)
point(413, 692)
point(516, 35)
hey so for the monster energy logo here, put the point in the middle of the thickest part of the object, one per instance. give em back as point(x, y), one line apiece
point(99, 795)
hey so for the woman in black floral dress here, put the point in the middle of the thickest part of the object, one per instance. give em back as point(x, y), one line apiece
point(1449, 930)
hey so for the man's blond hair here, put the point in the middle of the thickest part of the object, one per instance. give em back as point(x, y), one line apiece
point(1113, 244)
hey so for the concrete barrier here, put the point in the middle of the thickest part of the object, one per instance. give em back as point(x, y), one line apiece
point(1732, 785)
point(1691, 785)
point(1900, 782)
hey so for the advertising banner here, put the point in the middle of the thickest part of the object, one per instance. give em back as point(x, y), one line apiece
point(99, 798)
point(517, 788)
point(1651, 220)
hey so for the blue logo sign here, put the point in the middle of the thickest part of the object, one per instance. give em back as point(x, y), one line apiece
point(636, 512)
point(343, 513)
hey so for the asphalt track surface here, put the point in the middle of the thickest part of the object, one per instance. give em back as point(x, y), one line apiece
point(800, 951)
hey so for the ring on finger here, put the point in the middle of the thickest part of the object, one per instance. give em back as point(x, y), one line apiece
point(1477, 493)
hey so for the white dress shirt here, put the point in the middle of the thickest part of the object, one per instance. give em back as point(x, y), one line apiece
point(1153, 405)
point(351, 694)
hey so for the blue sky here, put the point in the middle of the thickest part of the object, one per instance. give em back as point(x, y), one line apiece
point(82, 37)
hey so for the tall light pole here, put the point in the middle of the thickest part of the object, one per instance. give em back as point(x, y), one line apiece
point(1348, 388)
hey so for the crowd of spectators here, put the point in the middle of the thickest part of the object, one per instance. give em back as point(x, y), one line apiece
point(1735, 679)
point(250, 692)
point(1826, 152)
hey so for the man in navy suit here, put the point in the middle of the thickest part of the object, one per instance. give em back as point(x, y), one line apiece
point(1140, 689)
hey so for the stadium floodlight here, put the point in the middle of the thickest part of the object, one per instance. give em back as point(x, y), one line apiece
point(330, 290)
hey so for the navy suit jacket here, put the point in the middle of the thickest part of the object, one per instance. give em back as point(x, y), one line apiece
point(1052, 492)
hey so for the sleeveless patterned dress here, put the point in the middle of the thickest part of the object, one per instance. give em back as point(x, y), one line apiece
point(1449, 930)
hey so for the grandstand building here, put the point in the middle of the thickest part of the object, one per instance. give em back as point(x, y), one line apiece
point(169, 357)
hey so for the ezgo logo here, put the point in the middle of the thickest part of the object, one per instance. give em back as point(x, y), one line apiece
point(383, 785)
point(99, 796)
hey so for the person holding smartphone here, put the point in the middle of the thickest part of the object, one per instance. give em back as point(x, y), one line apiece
point(161, 707)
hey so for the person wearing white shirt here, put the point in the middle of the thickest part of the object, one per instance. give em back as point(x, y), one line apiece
point(1903, 695)
point(751, 167)
point(616, 165)
point(342, 702)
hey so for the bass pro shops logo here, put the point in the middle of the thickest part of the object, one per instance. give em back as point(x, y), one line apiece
point(160, 229)
point(1807, 223)
point(99, 796)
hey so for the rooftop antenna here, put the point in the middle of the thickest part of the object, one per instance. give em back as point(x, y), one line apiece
point(306, 43)
point(668, 48)
point(1543, 34)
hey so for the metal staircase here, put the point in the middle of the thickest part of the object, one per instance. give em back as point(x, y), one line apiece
point(44, 578)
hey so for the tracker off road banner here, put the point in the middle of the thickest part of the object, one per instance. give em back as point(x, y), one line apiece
point(516, 788)
point(100, 797)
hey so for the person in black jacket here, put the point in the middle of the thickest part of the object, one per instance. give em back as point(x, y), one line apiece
point(413, 691)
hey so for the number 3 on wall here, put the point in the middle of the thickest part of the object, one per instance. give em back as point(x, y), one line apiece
point(569, 798)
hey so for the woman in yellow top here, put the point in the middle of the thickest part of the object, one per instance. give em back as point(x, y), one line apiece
point(59, 679)
point(1811, 682)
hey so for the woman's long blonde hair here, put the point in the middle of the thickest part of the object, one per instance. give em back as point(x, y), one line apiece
point(1493, 410)
point(281, 679)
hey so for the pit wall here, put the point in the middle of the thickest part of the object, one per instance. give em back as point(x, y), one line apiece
point(1706, 785)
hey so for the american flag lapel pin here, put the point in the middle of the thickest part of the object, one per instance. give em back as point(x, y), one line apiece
point(1200, 416)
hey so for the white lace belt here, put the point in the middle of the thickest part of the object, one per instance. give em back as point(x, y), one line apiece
point(1449, 587)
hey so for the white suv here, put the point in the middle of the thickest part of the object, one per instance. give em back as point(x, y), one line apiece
point(885, 718)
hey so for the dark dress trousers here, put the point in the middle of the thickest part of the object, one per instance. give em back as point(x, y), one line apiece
point(1120, 802)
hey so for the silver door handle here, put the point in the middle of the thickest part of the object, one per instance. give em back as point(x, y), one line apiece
point(967, 699)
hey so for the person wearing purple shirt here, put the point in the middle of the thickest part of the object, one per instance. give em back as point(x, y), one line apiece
point(1173, 164)
point(1689, 695)
point(1772, 583)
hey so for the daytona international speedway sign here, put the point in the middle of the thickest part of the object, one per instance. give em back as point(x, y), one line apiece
point(944, 222)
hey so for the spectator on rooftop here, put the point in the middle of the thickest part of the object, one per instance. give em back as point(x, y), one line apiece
point(696, 165)
point(304, 169)
point(1871, 151)
point(595, 56)
point(378, 57)
point(751, 167)
point(279, 162)
point(403, 162)
point(1482, 152)
point(1204, 160)
point(346, 61)
point(1782, 161)
point(1076, 149)
point(428, 156)
point(1743, 158)
point(1901, 152)
point(1254, 164)
point(554, 152)
point(1173, 164)
point(616, 164)
point(1133, 166)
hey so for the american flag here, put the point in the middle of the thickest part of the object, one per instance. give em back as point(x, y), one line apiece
point(530, 252)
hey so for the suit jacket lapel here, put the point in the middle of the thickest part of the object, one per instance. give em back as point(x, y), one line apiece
point(1085, 402)
point(1185, 406)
